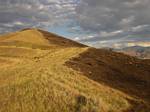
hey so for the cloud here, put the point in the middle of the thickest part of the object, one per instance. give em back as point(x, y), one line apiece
point(90, 21)
point(115, 19)
point(18, 14)
point(113, 14)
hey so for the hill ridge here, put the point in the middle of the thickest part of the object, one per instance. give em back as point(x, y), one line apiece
point(40, 37)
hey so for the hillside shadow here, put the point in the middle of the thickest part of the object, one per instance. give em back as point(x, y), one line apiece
point(118, 71)
point(59, 40)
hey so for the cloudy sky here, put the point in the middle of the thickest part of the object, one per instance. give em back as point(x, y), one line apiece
point(100, 23)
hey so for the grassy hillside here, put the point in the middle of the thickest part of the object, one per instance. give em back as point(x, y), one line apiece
point(42, 72)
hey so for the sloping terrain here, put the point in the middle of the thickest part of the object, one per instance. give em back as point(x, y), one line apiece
point(43, 72)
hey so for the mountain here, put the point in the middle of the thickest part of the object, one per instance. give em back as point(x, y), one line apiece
point(44, 72)
point(138, 51)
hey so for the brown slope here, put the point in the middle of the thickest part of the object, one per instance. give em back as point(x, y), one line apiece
point(36, 38)
point(127, 74)
point(59, 40)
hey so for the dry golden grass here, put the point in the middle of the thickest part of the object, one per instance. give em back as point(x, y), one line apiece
point(39, 80)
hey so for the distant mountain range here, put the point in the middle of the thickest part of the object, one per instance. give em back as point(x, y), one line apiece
point(137, 51)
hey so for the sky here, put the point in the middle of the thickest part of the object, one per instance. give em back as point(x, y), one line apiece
point(98, 23)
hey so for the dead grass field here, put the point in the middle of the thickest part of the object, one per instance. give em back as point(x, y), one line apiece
point(66, 76)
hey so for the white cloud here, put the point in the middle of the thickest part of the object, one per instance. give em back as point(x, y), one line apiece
point(109, 34)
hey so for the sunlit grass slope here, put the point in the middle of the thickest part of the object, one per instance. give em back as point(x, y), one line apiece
point(42, 72)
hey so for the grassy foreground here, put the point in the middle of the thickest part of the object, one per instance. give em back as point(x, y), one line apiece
point(34, 77)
